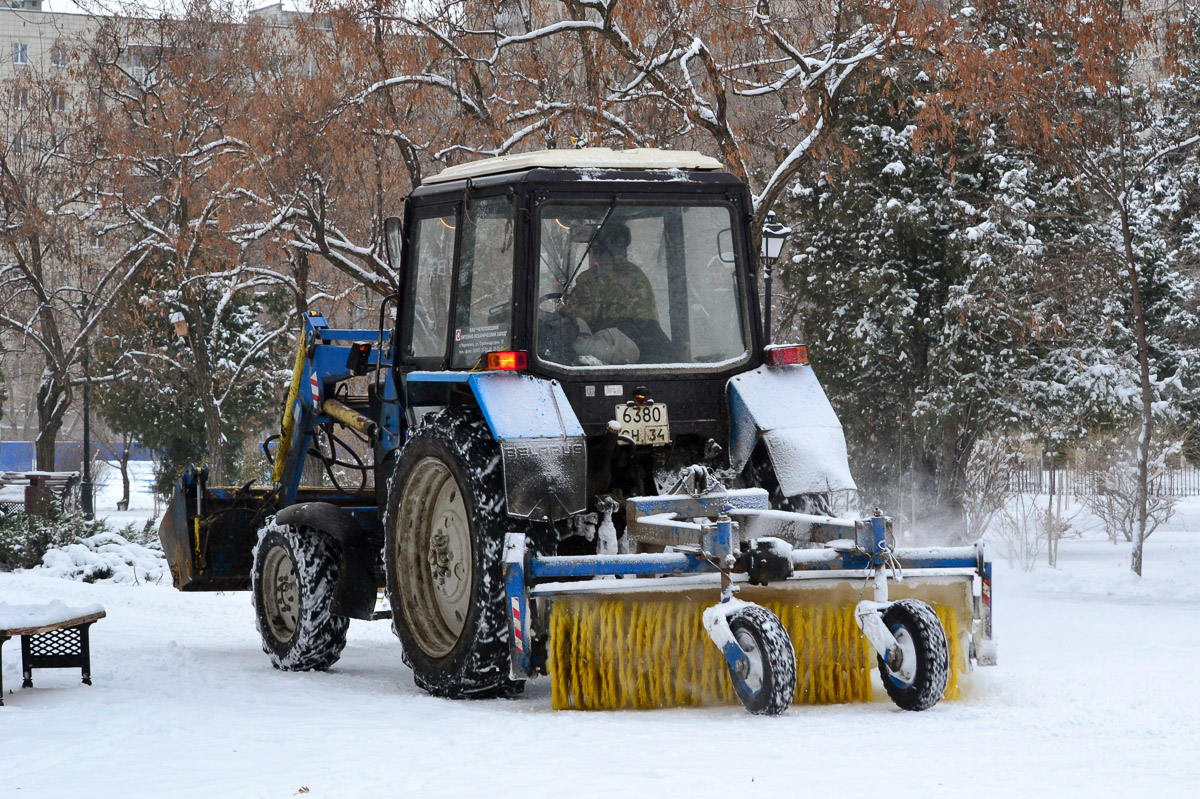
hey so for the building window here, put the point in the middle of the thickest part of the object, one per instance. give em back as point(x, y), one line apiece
point(20, 98)
point(96, 240)
point(58, 56)
point(58, 100)
point(20, 52)
point(141, 69)
point(18, 144)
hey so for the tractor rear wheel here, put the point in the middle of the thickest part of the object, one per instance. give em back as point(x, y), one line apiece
point(444, 531)
point(295, 571)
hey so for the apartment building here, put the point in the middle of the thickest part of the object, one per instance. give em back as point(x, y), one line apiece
point(31, 37)
point(39, 46)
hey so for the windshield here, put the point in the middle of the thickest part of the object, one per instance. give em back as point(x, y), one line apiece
point(624, 283)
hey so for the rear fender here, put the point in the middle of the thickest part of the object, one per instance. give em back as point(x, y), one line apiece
point(355, 592)
point(542, 446)
point(786, 407)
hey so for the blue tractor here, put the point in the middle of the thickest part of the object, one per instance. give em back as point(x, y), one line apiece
point(573, 383)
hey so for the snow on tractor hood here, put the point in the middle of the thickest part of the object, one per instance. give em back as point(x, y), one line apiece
point(787, 408)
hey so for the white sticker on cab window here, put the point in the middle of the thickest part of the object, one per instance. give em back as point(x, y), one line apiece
point(589, 391)
point(614, 391)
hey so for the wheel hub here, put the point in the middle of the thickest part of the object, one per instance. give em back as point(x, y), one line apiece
point(449, 553)
point(906, 672)
point(437, 596)
point(751, 669)
point(281, 594)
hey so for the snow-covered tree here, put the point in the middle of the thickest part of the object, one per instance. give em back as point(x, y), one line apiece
point(1097, 88)
point(165, 400)
point(176, 165)
point(933, 287)
point(755, 84)
point(56, 280)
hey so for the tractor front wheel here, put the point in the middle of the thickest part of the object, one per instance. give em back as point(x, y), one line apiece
point(295, 571)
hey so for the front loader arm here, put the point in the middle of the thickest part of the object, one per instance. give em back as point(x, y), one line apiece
point(288, 419)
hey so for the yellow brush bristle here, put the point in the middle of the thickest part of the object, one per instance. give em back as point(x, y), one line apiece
point(651, 650)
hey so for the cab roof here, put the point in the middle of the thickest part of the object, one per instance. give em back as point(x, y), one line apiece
point(585, 158)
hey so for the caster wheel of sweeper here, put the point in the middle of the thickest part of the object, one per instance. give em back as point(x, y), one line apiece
point(444, 529)
point(769, 682)
point(295, 570)
point(920, 681)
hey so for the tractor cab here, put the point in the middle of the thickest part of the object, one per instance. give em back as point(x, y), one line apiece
point(624, 277)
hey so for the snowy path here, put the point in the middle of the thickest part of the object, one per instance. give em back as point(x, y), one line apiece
point(1095, 695)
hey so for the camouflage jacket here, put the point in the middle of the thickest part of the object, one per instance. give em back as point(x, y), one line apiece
point(617, 290)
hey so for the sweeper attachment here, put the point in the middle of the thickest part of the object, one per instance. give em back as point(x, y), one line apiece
point(573, 451)
point(633, 643)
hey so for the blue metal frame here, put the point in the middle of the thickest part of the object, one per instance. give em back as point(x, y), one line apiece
point(520, 638)
point(560, 567)
point(522, 569)
point(327, 361)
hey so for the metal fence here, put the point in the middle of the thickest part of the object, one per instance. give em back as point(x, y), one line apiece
point(1182, 481)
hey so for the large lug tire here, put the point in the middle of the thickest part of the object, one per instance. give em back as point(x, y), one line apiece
point(769, 683)
point(920, 681)
point(292, 583)
point(444, 532)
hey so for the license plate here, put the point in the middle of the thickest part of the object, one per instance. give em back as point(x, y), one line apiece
point(645, 424)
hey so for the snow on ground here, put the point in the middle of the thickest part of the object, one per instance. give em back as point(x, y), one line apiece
point(1095, 694)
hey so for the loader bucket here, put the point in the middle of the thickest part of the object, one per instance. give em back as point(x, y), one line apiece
point(208, 534)
point(645, 648)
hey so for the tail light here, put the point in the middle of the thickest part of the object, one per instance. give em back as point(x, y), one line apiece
point(506, 361)
point(786, 354)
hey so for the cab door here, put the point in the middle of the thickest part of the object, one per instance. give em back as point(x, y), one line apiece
point(425, 300)
point(483, 291)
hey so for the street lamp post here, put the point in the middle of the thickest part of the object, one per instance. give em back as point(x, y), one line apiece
point(85, 488)
point(774, 235)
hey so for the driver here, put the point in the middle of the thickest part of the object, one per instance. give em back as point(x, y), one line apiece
point(612, 287)
point(614, 304)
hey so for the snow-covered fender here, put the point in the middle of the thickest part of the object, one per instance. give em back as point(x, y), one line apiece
point(356, 591)
point(786, 407)
point(542, 446)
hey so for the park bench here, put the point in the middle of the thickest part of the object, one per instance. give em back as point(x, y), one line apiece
point(32, 491)
point(53, 636)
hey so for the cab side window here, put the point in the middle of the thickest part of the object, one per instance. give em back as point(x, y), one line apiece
point(433, 258)
point(483, 316)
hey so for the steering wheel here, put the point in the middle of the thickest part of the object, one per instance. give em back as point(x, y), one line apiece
point(556, 330)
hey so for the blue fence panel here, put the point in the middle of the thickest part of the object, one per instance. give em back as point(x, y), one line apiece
point(17, 456)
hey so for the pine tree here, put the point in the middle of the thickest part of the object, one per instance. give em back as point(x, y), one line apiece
point(928, 283)
point(170, 403)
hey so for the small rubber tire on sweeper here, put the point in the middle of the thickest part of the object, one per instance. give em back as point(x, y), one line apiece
point(921, 680)
point(444, 532)
point(295, 571)
point(768, 687)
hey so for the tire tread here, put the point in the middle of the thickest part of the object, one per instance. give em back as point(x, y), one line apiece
point(320, 634)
